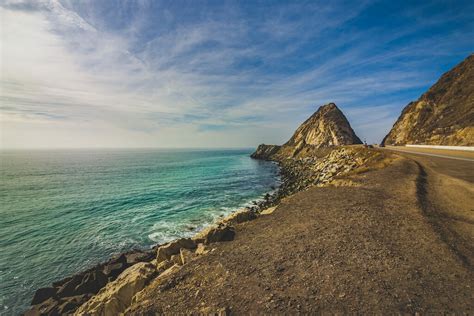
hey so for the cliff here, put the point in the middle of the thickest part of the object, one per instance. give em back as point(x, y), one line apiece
point(444, 115)
point(327, 127)
point(265, 152)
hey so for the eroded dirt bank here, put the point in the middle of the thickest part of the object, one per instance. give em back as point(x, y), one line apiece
point(382, 241)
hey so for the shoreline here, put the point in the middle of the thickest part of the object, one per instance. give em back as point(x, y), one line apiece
point(70, 293)
point(120, 261)
point(362, 244)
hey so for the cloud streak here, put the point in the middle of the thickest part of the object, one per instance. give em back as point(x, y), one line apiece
point(147, 73)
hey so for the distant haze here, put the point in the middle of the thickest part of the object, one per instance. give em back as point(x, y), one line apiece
point(221, 74)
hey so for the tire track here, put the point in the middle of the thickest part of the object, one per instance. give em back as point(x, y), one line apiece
point(435, 217)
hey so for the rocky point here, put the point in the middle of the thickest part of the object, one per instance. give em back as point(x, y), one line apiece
point(327, 127)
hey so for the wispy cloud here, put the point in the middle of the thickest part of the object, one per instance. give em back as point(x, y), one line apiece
point(150, 73)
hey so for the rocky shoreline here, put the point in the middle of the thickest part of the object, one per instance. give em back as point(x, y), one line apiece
point(67, 295)
point(91, 291)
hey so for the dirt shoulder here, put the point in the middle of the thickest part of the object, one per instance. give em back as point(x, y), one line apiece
point(376, 243)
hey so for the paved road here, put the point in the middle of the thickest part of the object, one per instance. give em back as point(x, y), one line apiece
point(457, 164)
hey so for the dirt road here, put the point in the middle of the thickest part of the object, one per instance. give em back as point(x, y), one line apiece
point(397, 240)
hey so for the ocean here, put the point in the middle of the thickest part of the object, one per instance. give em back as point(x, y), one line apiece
point(62, 211)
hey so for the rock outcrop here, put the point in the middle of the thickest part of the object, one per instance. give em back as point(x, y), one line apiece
point(116, 296)
point(65, 296)
point(265, 152)
point(327, 127)
point(301, 173)
point(444, 115)
point(221, 232)
point(170, 249)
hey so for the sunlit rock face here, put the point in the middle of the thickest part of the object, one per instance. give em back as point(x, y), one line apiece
point(326, 127)
point(265, 152)
point(444, 115)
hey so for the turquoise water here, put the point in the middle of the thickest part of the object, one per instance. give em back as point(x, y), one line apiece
point(64, 211)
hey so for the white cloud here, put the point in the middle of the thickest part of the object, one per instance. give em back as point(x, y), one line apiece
point(229, 77)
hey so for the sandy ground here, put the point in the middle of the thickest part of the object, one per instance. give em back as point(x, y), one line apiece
point(399, 240)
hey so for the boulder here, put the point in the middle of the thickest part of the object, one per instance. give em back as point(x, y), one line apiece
point(218, 233)
point(68, 288)
point(43, 294)
point(201, 249)
point(268, 211)
point(176, 259)
point(70, 304)
point(47, 307)
point(166, 251)
point(61, 282)
point(186, 255)
point(113, 268)
point(116, 296)
point(164, 265)
point(139, 256)
point(241, 216)
point(68, 294)
point(91, 283)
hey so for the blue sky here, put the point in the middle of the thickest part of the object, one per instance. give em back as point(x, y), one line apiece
point(216, 73)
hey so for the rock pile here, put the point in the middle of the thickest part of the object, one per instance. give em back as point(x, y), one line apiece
point(108, 288)
point(300, 173)
point(115, 296)
point(65, 296)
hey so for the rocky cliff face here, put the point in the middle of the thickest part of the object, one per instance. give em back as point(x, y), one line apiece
point(65, 296)
point(265, 152)
point(444, 115)
point(327, 127)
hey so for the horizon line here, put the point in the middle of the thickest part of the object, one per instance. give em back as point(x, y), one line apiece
point(123, 148)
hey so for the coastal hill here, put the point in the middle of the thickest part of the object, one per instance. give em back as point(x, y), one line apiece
point(444, 115)
point(327, 127)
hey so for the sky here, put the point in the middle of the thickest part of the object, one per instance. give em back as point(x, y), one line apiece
point(215, 73)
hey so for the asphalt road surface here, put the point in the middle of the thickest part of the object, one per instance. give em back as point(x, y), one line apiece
point(457, 164)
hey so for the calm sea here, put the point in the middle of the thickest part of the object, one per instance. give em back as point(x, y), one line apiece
point(64, 211)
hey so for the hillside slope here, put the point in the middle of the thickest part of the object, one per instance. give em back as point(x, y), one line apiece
point(326, 127)
point(444, 115)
